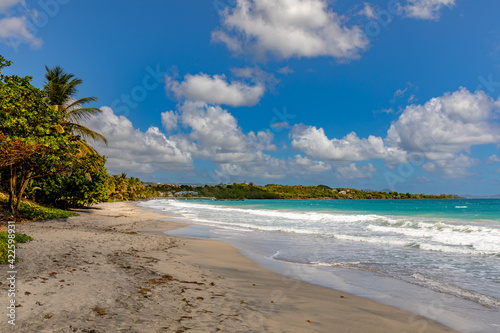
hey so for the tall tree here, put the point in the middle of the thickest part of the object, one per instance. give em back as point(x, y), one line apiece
point(62, 89)
point(27, 119)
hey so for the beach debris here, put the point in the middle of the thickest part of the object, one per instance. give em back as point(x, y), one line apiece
point(161, 280)
point(99, 311)
point(143, 291)
point(342, 296)
point(254, 284)
point(27, 293)
point(48, 316)
point(308, 321)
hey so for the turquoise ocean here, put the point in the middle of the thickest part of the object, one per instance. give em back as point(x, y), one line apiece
point(438, 258)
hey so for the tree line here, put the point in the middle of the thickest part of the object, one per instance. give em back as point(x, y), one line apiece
point(276, 191)
point(45, 153)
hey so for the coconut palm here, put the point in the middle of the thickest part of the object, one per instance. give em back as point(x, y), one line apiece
point(61, 88)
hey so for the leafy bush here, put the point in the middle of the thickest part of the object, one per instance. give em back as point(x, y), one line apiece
point(4, 242)
point(86, 185)
point(34, 212)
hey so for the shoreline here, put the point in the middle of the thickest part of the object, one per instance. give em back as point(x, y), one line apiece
point(111, 270)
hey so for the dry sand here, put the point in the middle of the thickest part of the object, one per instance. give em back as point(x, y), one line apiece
point(110, 270)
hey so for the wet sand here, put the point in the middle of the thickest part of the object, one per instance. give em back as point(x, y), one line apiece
point(112, 270)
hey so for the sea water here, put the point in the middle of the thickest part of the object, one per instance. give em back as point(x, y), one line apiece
point(438, 258)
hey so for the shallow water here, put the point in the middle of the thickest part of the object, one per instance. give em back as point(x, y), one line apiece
point(437, 253)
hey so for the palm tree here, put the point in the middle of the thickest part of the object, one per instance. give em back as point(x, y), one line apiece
point(61, 88)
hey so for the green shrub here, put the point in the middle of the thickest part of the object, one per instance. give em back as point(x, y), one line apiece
point(33, 212)
point(4, 242)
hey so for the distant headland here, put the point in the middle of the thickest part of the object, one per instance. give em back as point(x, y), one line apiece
point(241, 191)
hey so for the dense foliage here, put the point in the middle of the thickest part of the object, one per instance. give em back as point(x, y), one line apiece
point(122, 187)
point(87, 184)
point(4, 242)
point(43, 152)
point(26, 118)
point(31, 211)
point(274, 191)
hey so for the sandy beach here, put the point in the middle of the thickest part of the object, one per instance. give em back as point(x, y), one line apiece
point(112, 270)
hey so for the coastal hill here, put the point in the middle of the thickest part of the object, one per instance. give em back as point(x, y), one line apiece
point(275, 191)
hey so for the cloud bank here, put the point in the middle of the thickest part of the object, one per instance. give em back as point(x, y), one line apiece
point(289, 29)
point(130, 149)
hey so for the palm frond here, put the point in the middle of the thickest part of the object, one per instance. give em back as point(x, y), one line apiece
point(61, 88)
point(84, 132)
point(84, 100)
point(77, 115)
point(86, 149)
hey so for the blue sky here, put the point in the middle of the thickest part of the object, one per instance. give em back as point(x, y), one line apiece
point(400, 95)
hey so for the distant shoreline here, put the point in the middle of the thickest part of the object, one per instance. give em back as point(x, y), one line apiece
point(275, 191)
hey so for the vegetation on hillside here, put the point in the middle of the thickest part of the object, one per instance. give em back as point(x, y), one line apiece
point(274, 191)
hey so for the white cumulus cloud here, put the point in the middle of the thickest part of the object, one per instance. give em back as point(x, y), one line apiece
point(304, 165)
point(289, 28)
point(169, 120)
point(215, 90)
point(314, 143)
point(262, 166)
point(368, 11)
point(451, 123)
point(493, 159)
point(426, 9)
point(14, 31)
point(456, 167)
point(6, 4)
point(130, 149)
point(352, 171)
point(212, 133)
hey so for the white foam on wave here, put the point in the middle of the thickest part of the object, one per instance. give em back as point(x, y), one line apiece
point(303, 216)
point(374, 240)
point(450, 288)
point(368, 228)
point(347, 264)
point(448, 238)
